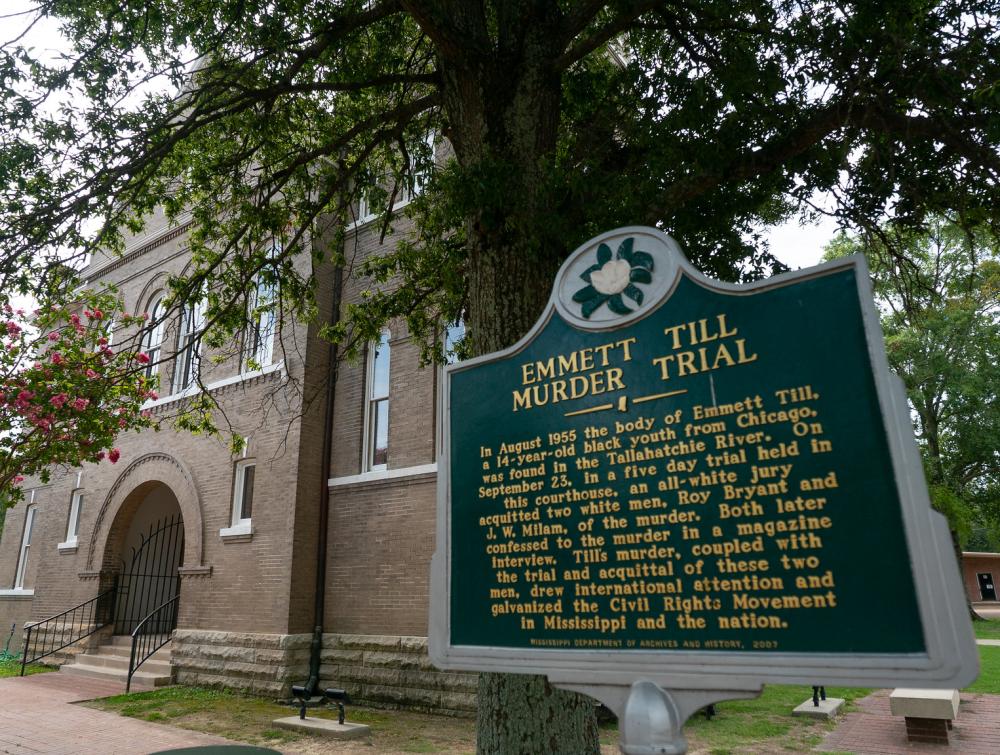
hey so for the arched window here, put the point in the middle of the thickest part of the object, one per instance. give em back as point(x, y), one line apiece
point(188, 358)
point(263, 325)
point(152, 342)
point(377, 405)
point(22, 557)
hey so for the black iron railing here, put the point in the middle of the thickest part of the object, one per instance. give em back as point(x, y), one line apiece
point(48, 636)
point(151, 634)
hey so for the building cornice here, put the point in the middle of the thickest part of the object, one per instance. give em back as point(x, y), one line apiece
point(143, 245)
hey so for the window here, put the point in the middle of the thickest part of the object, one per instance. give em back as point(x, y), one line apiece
point(75, 511)
point(453, 335)
point(153, 339)
point(377, 406)
point(22, 558)
point(188, 346)
point(243, 493)
point(405, 192)
point(263, 321)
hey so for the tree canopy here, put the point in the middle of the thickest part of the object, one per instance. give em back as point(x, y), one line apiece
point(562, 118)
point(939, 292)
point(707, 119)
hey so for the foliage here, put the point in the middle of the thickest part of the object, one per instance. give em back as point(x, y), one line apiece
point(939, 292)
point(562, 118)
point(65, 393)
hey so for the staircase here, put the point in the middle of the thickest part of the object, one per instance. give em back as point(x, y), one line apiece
point(110, 661)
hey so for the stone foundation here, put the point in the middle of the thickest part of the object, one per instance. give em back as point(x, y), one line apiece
point(264, 664)
point(394, 672)
point(376, 670)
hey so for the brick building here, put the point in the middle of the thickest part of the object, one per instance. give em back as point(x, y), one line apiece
point(235, 537)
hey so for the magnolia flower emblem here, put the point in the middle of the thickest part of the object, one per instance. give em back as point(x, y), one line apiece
point(613, 278)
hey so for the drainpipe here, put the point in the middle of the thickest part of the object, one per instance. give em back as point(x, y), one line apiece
point(316, 646)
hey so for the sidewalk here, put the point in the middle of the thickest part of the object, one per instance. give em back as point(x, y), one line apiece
point(36, 717)
point(872, 730)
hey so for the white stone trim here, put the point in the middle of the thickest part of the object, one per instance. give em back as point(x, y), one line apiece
point(215, 385)
point(69, 545)
point(16, 593)
point(382, 474)
point(242, 529)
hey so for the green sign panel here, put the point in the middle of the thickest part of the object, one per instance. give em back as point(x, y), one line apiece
point(671, 465)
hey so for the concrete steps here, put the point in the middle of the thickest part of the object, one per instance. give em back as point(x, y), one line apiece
point(110, 661)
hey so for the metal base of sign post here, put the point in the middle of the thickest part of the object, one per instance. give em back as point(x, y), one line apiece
point(651, 718)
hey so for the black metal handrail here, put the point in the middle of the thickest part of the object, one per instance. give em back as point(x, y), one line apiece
point(151, 634)
point(77, 622)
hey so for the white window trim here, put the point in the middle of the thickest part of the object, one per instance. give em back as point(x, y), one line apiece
point(367, 457)
point(263, 353)
point(365, 216)
point(237, 524)
point(215, 385)
point(153, 350)
point(382, 474)
point(25, 550)
point(15, 593)
point(73, 523)
point(185, 352)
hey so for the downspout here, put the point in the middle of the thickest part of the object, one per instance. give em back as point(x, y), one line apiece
point(316, 646)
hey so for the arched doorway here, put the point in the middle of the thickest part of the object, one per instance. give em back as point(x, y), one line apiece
point(151, 553)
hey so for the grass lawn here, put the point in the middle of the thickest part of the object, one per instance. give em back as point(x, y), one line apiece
point(764, 724)
point(987, 629)
point(13, 668)
point(249, 719)
point(989, 671)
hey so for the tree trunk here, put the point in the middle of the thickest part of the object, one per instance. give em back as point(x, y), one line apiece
point(505, 115)
point(525, 715)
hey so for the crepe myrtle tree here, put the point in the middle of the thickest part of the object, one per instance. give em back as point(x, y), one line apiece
point(65, 393)
point(553, 120)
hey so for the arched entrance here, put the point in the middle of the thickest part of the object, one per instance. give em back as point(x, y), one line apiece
point(151, 548)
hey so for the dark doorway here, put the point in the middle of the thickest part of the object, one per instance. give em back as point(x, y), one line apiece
point(986, 588)
point(150, 575)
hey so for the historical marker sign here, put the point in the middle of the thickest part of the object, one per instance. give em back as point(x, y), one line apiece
point(676, 478)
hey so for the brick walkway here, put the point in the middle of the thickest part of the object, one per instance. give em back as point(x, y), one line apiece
point(36, 717)
point(872, 729)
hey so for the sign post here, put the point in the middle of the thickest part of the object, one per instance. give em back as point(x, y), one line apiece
point(674, 490)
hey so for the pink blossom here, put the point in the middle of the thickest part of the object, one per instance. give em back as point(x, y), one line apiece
point(146, 413)
point(57, 358)
point(80, 404)
point(113, 455)
point(91, 374)
point(18, 478)
point(102, 341)
point(100, 455)
point(74, 318)
point(53, 336)
point(98, 314)
point(153, 395)
point(58, 400)
point(13, 329)
point(142, 357)
point(88, 314)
